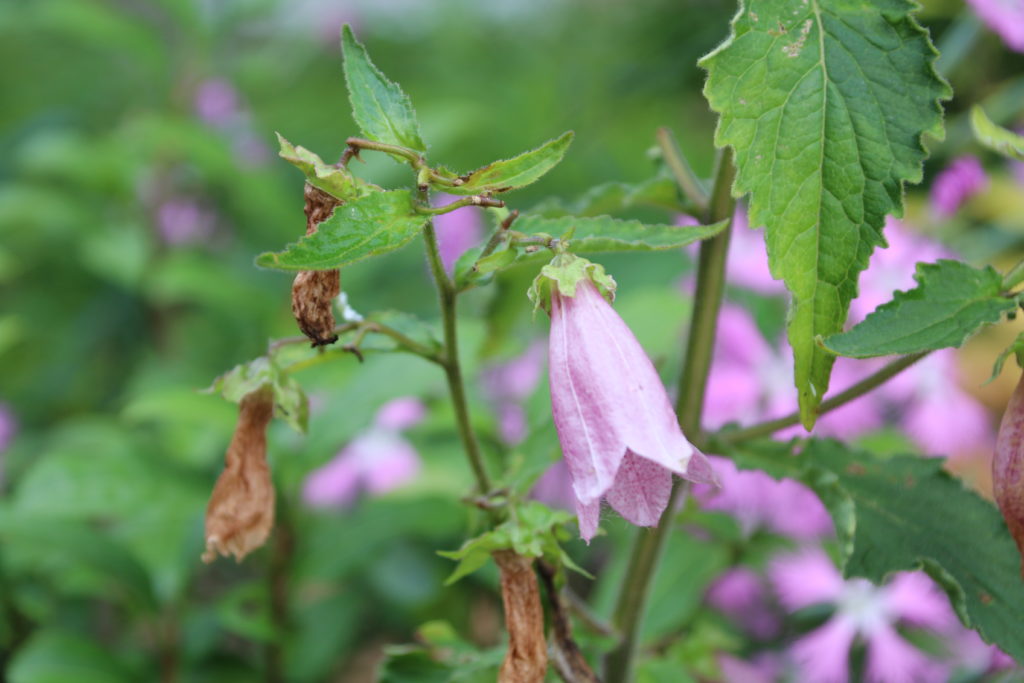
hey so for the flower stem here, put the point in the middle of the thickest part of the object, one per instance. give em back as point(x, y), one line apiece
point(647, 550)
point(450, 359)
point(681, 171)
point(856, 391)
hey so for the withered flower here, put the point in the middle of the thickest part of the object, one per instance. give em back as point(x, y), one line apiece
point(526, 660)
point(240, 513)
point(314, 291)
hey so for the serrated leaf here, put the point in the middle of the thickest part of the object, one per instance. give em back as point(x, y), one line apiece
point(333, 180)
point(604, 233)
point(825, 103)
point(511, 174)
point(951, 302)
point(905, 512)
point(290, 402)
point(383, 112)
point(996, 137)
point(376, 224)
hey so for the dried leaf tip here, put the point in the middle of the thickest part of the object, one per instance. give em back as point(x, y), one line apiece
point(240, 513)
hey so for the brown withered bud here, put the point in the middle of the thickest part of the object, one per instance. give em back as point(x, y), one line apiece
point(314, 291)
point(1008, 467)
point(240, 513)
point(527, 658)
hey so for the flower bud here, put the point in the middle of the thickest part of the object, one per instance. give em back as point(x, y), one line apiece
point(240, 513)
point(1008, 467)
point(314, 291)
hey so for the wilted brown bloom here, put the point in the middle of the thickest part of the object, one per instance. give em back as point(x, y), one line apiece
point(240, 513)
point(314, 291)
point(527, 658)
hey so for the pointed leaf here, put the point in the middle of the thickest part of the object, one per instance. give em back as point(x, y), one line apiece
point(825, 103)
point(334, 180)
point(511, 174)
point(904, 512)
point(996, 137)
point(604, 233)
point(380, 108)
point(951, 302)
point(376, 224)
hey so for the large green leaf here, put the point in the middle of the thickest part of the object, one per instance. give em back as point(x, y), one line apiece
point(511, 174)
point(905, 512)
point(604, 233)
point(334, 180)
point(382, 110)
point(376, 224)
point(996, 137)
point(951, 302)
point(825, 103)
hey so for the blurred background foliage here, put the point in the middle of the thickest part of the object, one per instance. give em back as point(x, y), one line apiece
point(138, 178)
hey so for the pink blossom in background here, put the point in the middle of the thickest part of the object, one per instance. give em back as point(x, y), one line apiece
point(618, 431)
point(863, 612)
point(957, 183)
point(758, 501)
point(507, 385)
point(1017, 169)
point(8, 426)
point(742, 595)
point(1005, 18)
point(970, 653)
point(763, 667)
point(375, 462)
point(216, 102)
point(747, 262)
point(554, 487)
point(183, 221)
point(457, 231)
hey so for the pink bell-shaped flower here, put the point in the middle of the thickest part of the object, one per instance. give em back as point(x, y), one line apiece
point(1008, 467)
point(618, 431)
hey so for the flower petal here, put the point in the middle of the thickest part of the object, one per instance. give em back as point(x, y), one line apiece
point(891, 659)
point(805, 578)
point(587, 515)
point(641, 490)
point(823, 654)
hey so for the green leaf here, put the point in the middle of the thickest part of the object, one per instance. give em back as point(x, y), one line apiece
point(825, 103)
point(290, 402)
point(511, 174)
point(416, 329)
point(379, 107)
point(659, 192)
point(951, 302)
point(334, 180)
point(996, 137)
point(376, 224)
point(54, 656)
point(905, 512)
point(604, 233)
point(1016, 348)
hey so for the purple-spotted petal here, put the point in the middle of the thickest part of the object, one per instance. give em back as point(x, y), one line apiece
point(587, 516)
point(641, 490)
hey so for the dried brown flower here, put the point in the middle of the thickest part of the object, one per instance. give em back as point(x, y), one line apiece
point(527, 658)
point(314, 291)
point(240, 513)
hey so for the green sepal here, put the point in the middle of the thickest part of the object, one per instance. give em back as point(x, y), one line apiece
point(564, 273)
point(1016, 349)
point(290, 402)
point(996, 137)
point(512, 174)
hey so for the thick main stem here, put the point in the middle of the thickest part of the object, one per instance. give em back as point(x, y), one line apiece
point(647, 550)
point(450, 360)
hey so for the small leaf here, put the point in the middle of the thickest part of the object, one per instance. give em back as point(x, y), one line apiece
point(1016, 348)
point(334, 180)
point(951, 302)
point(904, 512)
point(825, 103)
point(511, 174)
point(376, 224)
point(603, 233)
point(379, 107)
point(290, 402)
point(996, 137)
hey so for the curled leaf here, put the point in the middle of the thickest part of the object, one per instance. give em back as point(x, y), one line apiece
point(314, 291)
point(240, 513)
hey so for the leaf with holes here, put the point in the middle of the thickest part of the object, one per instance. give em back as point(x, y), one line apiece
point(825, 103)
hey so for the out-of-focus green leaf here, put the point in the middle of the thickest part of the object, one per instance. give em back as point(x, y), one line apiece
point(53, 656)
point(904, 512)
point(951, 302)
point(416, 329)
point(511, 174)
point(603, 233)
point(334, 180)
point(1016, 348)
point(996, 137)
point(608, 198)
point(825, 103)
point(443, 657)
point(290, 402)
point(382, 110)
point(369, 226)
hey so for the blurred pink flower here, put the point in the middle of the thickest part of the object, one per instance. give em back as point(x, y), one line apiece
point(862, 611)
point(618, 431)
point(758, 501)
point(747, 263)
point(741, 594)
point(457, 231)
point(183, 221)
point(764, 667)
point(8, 426)
point(1004, 17)
point(376, 461)
point(508, 384)
point(957, 183)
point(554, 487)
point(216, 102)
point(971, 654)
